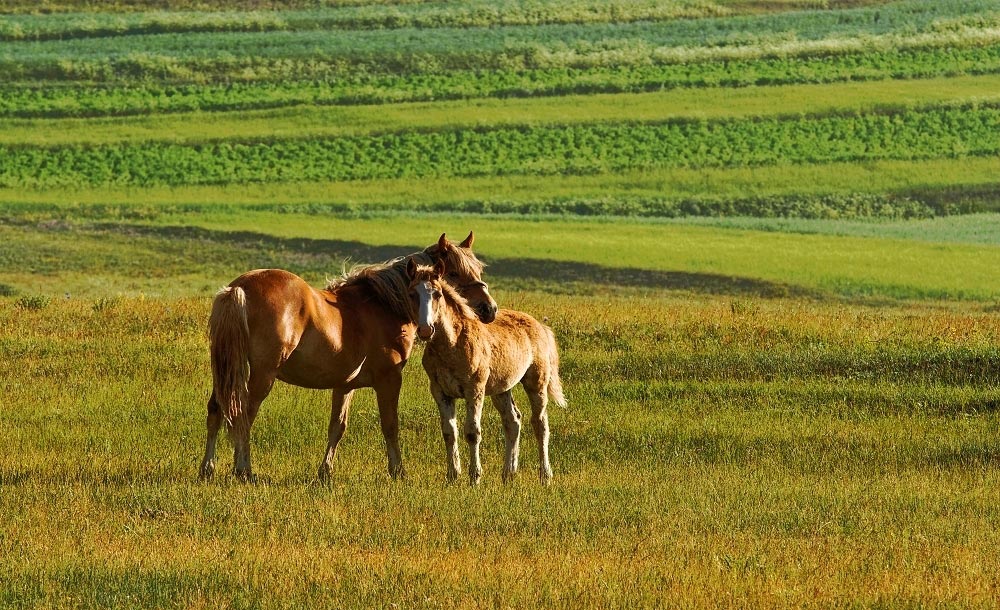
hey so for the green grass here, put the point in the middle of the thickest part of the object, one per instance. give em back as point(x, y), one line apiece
point(813, 488)
point(932, 133)
point(446, 194)
point(313, 121)
point(54, 257)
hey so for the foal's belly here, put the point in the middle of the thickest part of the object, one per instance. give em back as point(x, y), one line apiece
point(455, 385)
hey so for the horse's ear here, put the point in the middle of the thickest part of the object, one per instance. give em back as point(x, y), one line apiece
point(440, 267)
point(411, 268)
point(467, 242)
point(443, 244)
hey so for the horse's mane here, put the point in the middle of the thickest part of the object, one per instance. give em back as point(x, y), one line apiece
point(457, 302)
point(390, 283)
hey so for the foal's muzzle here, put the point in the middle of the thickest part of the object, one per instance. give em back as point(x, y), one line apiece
point(425, 332)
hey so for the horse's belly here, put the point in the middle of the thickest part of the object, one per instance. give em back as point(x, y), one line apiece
point(333, 371)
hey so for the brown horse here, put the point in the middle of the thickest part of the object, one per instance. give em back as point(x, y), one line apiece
point(467, 359)
point(270, 324)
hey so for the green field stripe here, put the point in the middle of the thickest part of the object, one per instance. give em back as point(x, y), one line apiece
point(841, 265)
point(373, 16)
point(786, 100)
point(445, 27)
point(571, 149)
point(915, 25)
point(64, 99)
point(451, 193)
point(471, 13)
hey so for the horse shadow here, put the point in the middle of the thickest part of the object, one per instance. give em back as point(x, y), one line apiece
point(502, 270)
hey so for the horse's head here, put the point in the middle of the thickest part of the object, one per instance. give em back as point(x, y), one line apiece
point(426, 293)
point(465, 273)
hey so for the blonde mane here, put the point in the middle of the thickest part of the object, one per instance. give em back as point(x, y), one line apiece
point(390, 282)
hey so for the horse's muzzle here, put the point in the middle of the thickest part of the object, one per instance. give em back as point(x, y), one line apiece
point(486, 313)
point(425, 332)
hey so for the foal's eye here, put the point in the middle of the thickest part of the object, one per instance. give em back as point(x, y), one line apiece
point(436, 294)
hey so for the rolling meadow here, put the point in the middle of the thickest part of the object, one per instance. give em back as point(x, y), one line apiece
point(766, 235)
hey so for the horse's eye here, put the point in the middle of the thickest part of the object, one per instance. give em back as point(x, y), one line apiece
point(436, 294)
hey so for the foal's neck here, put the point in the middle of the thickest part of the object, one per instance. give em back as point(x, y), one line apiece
point(451, 323)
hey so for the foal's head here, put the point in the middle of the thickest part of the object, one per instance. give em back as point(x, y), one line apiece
point(432, 297)
point(465, 273)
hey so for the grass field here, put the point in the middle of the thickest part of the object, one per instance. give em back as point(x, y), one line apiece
point(765, 234)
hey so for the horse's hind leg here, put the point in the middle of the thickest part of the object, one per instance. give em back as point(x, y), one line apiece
point(540, 425)
point(213, 422)
point(449, 430)
point(259, 387)
point(511, 418)
point(338, 425)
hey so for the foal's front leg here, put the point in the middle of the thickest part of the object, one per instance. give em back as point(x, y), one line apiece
point(449, 430)
point(474, 432)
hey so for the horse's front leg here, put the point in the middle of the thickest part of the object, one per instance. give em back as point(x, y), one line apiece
point(387, 395)
point(474, 432)
point(449, 430)
point(339, 410)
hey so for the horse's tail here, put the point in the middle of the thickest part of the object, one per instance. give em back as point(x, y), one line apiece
point(555, 388)
point(229, 347)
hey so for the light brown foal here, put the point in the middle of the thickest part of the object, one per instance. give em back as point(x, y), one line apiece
point(466, 359)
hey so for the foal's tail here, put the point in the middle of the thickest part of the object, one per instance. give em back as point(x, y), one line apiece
point(229, 347)
point(555, 383)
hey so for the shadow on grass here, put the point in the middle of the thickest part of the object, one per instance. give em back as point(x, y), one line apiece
point(530, 270)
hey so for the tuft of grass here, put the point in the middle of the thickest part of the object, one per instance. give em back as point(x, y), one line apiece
point(33, 302)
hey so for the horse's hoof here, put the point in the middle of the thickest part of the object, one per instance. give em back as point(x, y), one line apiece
point(246, 477)
point(207, 472)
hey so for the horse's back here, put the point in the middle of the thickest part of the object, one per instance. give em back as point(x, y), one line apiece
point(279, 305)
point(520, 345)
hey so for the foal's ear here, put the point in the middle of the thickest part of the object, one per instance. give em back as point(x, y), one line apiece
point(440, 267)
point(467, 242)
point(443, 245)
point(411, 268)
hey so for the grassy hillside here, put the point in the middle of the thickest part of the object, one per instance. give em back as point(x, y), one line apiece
point(763, 232)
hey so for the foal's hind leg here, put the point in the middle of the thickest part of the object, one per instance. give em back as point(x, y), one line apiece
point(213, 422)
point(538, 395)
point(339, 409)
point(511, 418)
point(449, 430)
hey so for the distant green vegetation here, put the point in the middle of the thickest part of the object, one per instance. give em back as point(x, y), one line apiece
point(782, 101)
point(573, 149)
